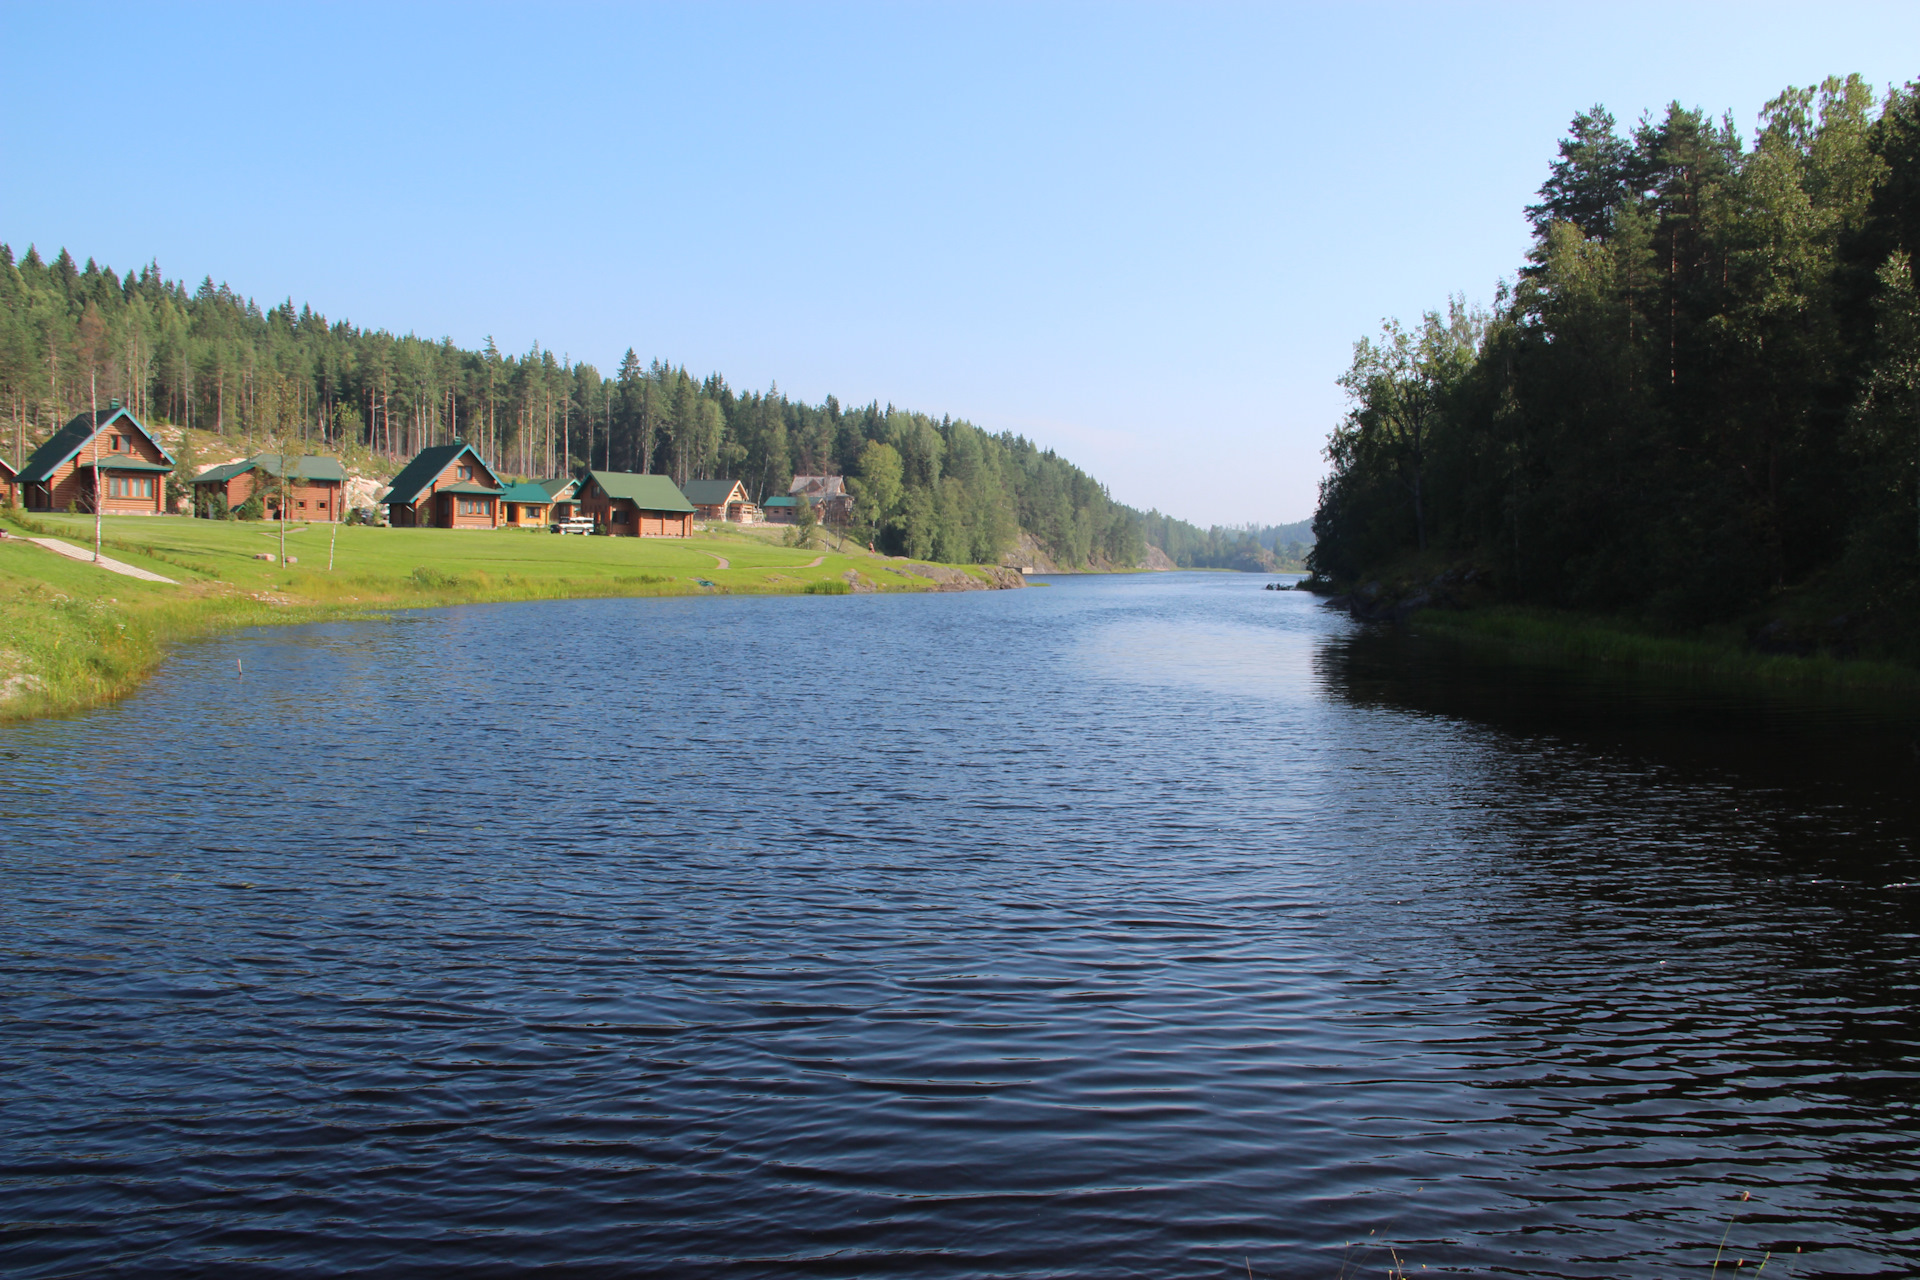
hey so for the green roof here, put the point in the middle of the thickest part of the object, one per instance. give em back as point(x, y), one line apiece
point(525, 491)
point(111, 463)
point(224, 472)
point(648, 493)
point(708, 493)
point(414, 478)
point(781, 502)
point(305, 467)
point(559, 490)
point(69, 440)
point(466, 486)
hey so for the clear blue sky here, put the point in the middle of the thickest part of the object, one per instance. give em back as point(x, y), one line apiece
point(1146, 236)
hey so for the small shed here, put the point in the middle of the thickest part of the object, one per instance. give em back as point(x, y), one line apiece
point(627, 505)
point(721, 500)
point(448, 486)
point(781, 510)
point(314, 489)
point(524, 505)
point(104, 456)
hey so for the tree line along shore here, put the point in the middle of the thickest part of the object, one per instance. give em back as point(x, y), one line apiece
point(1693, 415)
point(217, 364)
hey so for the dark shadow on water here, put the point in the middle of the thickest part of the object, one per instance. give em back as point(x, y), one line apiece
point(1831, 752)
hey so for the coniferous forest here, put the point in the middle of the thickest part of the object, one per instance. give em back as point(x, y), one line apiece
point(209, 358)
point(1698, 402)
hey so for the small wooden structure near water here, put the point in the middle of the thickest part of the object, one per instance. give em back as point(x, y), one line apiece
point(721, 500)
point(313, 490)
point(448, 486)
point(627, 505)
point(104, 456)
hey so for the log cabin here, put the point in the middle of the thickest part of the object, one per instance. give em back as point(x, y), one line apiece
point(780, 510)
point(9, 484)
point(105, 454)
point(828, 494)
point(721, 500)
point(314, 488)
point(563, 497)
point(635, 506)
point(448, 486)
point(524, 505)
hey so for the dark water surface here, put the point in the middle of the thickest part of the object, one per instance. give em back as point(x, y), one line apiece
point(1156, 926)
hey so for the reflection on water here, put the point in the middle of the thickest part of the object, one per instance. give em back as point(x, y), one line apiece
point(1153, 925)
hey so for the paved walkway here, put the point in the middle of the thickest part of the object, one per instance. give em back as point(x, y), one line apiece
point(72, 552)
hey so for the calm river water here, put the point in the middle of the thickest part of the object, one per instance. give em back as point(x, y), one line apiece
point(1148, 926)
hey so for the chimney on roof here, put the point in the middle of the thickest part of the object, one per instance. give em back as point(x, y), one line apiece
point(113, 406)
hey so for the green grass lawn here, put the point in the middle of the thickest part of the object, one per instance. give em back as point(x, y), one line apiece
point(73, 635)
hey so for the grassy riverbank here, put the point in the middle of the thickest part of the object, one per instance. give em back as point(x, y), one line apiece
point(1541, 633)
point(73, 635)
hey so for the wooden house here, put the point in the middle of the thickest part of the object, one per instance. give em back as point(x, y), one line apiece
point(314, 487)
point(9, 484)
point(448, 486)
point(105, 455)
point(636, 506)
point(781, 510)
point(721, 500)
point(524, 505)
point(828, 494)
point(563, 497)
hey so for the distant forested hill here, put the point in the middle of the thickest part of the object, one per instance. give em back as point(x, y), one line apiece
point(1701, 397)
point(212, 359)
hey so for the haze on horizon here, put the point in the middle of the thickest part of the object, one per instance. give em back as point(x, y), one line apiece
point(1145, 236)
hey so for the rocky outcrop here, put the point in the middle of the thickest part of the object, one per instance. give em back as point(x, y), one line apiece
point(945, 578)
point(1378, 601)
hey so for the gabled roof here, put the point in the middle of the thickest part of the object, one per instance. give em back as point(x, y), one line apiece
point(70, 439)
point(781, 502)
point(6, 469)
point(711, 493)
point(414, 478)
point(560, 489)
point(224, 472)
point(818, 486)
point(525, 491)
point(305, 467)
point(648, 493)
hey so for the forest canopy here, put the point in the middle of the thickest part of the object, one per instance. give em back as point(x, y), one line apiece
point(1699, 395)
point(212, 359)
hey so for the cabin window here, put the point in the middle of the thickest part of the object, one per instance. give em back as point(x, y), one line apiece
point(116, 443)
point(620, 517)
point(465, 473)
point(473, 506)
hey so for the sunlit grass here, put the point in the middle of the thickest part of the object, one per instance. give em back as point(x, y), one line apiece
point(73, 635)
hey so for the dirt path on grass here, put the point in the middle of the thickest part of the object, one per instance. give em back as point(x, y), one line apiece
point(814, 563)
point(72, 552)
point(720, 561)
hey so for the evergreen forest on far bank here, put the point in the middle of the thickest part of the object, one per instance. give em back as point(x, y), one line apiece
point(1698, 402)
point(930, 488)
